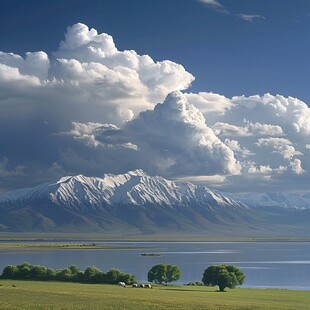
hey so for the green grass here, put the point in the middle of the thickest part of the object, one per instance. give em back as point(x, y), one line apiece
point(60, 246)
point(57, 295)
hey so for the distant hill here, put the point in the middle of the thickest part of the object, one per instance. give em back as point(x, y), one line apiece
point(135, 202)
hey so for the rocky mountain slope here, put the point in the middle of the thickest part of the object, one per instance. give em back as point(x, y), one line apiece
point(135, 202)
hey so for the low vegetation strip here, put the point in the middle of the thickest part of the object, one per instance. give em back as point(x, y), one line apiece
point(31, 295)
point(91, 274)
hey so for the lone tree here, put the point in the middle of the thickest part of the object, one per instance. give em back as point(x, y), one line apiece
point(223, 276)
point(164, 273)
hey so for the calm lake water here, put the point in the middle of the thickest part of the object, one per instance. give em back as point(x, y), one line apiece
point(265, 264)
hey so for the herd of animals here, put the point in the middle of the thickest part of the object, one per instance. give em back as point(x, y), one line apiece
point(135, 285)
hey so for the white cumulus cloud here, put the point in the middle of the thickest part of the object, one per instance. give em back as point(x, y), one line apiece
point(177, 131)
point(281, 146)
point(91, 108)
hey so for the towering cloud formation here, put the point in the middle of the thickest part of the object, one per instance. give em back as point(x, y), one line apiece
point(171, 139)
point(90, 108)
point(177, 132)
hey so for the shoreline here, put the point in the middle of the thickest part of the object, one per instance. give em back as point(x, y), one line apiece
point(69, 238)
point(39, 245)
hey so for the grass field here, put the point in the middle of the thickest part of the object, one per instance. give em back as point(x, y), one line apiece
point(55, 245)
point(89, 237)
point(58, 295)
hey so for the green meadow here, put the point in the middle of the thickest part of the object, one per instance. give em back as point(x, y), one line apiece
point(58, 295)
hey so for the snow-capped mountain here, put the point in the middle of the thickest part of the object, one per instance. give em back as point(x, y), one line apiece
point(132, 188)
point(275, 200)
point(135, 202)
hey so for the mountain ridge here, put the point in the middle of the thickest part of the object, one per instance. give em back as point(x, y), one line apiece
point(137, 202)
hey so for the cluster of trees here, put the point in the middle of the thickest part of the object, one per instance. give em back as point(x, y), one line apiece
point(91, 274)
point(221, 275)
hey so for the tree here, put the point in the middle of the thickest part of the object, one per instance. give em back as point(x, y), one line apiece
point(10, 272)
point(92, 274)
point(164, 273)
point(112, 276)
point(223, 276)
point(38, 272)
point(64, 274)
point(127, 278)
point(50, 274)
point(25, 272)
point(74, 269)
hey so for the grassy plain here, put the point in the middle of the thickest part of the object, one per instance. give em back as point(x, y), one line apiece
point(87, 243)
point(58, 295)
point(56, 246)
point(91, 237)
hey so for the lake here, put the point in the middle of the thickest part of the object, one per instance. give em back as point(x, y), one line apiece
point(265, 264)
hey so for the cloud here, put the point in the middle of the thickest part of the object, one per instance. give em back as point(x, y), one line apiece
point(296, 166)
point(173, 139)
point(5, 171)
point(215, 4)
point(99, 135)
point(291, 114)
point(209, 102)
point(86, 81)
point(251, 129)
point(9, 173)
point(95, 58)
point(281, 146)
point(89, 73)
point(269, 136)
point(90, 108)
point(249, 17)
point(176, 131)
point(235, 146)
point(34, 64)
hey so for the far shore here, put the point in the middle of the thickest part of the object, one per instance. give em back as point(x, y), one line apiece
point(50, 245)
point(90, 241)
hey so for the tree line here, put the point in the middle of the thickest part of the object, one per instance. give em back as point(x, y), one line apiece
point(91, 274)
point(221, 275)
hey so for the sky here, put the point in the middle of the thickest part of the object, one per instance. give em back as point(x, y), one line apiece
point(212, 92)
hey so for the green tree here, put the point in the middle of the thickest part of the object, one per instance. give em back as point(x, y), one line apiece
point(112, 276)
point(127, 278)
point(38, 272)
point(25, 272)
point(24, 265)
point(74, 269)
point(92, 274)
point(50, 273)
point(223, 276)
point(164, 273)
point(10, 272)
point(64, 274)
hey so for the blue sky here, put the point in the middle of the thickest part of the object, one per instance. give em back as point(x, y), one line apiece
point(210, 91)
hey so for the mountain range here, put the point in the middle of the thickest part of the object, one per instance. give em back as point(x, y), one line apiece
point(135, 203)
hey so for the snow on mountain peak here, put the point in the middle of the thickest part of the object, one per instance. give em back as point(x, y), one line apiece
point(136, 187)
point(138, 172)
point(64, 179)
